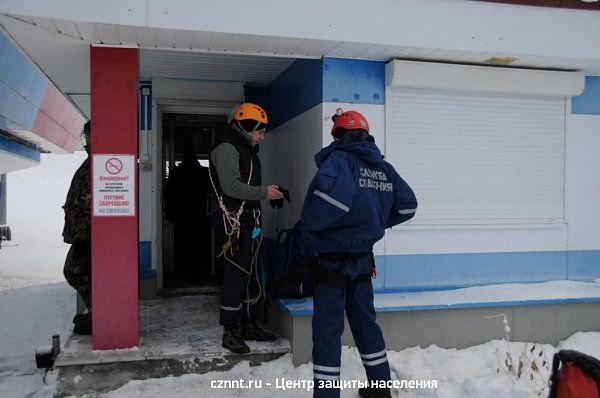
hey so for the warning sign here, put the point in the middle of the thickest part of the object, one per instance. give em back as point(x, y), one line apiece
point(114, 185)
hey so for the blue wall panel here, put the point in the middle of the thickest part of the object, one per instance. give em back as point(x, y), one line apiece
point(18, 149)
point(15, 69)
point(445, 271)
point(309, 82)
point(22, 88)
point(38, 87)
point(588, 103)
point(354, 81)
point(11, 104)
point(145, 260)
point(294, 91)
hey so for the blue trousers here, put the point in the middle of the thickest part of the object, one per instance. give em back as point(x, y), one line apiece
point(328, 325)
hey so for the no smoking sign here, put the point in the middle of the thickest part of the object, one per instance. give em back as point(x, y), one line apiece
point(113, 185)
point(113, 166)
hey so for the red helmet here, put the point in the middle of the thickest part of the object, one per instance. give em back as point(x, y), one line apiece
point(350, 120)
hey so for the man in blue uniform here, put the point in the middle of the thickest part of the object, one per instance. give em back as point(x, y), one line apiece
point(353, 198)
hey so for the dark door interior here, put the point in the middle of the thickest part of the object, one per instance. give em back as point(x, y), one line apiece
point(189, 261)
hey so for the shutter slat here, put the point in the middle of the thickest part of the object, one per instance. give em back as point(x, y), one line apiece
point(472, 156)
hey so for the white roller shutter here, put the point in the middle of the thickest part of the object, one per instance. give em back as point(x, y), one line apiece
point(476, 157)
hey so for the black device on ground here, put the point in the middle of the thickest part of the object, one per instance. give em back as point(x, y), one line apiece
point(46, 355)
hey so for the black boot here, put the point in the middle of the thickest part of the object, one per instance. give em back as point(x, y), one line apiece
point(233, 341)
point(87, 317)
point(252, 331)
point(374, 392)
point(83, 325)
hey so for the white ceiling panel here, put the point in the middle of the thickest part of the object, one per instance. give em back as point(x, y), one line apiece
point(253, 70)
point(67, 27)
point(128, 35)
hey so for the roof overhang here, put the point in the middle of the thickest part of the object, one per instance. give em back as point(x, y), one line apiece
point(199, 40)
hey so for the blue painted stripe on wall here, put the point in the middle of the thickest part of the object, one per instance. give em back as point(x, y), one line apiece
point(583, 264)
point(354, 81)
point(294, 91)
point(298, 307)
point(18, 149)
point(588, 103)
point(145, 260)
point(448, 271)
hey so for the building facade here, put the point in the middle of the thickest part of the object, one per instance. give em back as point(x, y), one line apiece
point(490, 111)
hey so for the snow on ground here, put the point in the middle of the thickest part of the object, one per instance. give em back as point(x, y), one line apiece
point(470, 372)
point(28, 318)
point(33, 305)
point(37, 253)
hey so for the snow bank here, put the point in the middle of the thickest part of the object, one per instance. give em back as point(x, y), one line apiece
point(28, 318)
point(471, 372)
point(37, 253)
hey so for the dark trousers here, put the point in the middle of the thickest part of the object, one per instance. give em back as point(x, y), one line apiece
point(238, 287)
point(356, 299)
point(78, 270)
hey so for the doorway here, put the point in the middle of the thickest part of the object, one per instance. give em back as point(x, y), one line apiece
point(189, 255)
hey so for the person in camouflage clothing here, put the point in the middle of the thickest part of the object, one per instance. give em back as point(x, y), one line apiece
point(77, 232)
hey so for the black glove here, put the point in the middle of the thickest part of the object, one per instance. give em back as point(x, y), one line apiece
point(278, 203)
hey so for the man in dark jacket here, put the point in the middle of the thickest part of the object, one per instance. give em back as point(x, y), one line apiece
point(235, 173)
point(353, 198)
point(77, 232)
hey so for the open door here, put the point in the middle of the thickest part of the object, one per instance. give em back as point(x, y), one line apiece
point(188, 257)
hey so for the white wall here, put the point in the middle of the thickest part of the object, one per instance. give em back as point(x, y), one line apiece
point(287, 157)
point(583, 182)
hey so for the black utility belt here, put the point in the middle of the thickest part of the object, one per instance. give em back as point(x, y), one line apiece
point(336, 278)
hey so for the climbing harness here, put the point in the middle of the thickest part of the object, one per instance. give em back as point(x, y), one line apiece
point(232, 227)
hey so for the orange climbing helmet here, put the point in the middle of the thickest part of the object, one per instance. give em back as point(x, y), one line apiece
point(349, 120)
point(251, 112)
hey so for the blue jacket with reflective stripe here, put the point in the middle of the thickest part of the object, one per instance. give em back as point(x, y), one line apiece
point(353, 198)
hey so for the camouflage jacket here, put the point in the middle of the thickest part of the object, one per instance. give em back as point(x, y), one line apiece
point(78, 206)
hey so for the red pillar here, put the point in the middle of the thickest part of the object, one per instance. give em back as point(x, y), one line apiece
point(113, 92)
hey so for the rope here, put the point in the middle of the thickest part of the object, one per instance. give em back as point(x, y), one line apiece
point(233, 219)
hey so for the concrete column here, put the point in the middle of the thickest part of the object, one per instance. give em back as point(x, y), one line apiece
point(114, 95)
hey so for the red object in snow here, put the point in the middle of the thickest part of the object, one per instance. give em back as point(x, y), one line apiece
point(574, 383)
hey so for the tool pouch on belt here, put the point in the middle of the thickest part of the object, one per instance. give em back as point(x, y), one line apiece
point(335, 277)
